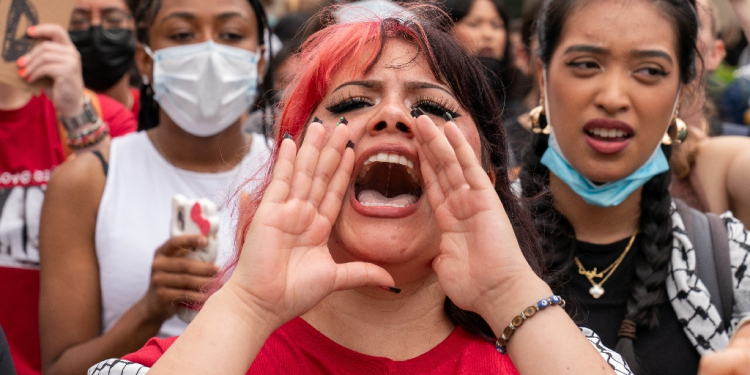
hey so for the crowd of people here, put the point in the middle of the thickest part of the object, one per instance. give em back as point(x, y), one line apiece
point(413, 187)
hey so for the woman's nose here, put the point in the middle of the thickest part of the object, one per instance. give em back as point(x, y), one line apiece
point(613, 96)
point(487, 31)
point(391, 117)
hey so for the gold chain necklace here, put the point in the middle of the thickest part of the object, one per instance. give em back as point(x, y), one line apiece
point(596, 290)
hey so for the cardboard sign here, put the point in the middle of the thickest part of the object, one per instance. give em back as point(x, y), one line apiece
point(15, 17)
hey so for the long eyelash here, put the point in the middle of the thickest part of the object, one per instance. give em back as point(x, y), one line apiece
point(346, 103)
point(436, 106)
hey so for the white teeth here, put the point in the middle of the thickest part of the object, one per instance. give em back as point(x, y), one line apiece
point(608, 133)
point(376, 204)
point(384, 157)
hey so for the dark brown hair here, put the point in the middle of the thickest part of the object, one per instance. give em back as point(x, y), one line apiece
point(336, 48)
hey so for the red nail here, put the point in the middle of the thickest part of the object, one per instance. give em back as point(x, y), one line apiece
point(21, 61)
point(31, 30)
point(21, 72)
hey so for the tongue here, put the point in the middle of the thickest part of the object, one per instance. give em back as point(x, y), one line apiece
point(373, 198)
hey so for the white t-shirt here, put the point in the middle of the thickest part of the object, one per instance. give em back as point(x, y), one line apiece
point(135, 215)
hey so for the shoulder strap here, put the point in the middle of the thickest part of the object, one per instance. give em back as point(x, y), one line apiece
point(720, 240)
point(105, 165)
point(711, 258)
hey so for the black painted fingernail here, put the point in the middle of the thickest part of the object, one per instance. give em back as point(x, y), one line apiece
point(415, 113)
point(391, 289)
point(316, 119)
point(287, 135)
point(350, 144)
point(447, 116)
point(343, 121)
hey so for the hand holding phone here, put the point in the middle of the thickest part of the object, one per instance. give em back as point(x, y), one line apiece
point(195, 216)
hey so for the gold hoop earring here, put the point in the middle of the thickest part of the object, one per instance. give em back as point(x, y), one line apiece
point(676, 133)
point(539, 121)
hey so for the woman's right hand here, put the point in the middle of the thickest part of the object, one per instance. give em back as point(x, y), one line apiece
point(285, 267)
point(176, 279)
point(55, 57)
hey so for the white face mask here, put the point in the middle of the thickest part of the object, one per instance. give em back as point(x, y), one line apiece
point(205, 87)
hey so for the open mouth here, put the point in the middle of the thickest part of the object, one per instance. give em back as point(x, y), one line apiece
point(608, 135)
point(388, 180)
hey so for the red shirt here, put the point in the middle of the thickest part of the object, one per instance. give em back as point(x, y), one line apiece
point(120, 120)
point(298, 348)
point(30, 148)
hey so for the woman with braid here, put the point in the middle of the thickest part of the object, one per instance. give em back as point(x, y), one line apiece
point(612, 75)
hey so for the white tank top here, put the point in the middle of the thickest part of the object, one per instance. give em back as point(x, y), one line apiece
point(135, 214)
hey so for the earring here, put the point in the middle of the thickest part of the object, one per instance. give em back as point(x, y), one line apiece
point(539, 120)
point(680, 133)
point(144, 80)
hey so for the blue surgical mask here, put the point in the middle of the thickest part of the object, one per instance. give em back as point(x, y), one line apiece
point(608, 194)
point(603, 195)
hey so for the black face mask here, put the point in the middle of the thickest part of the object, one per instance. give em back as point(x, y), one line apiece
point(106, 55)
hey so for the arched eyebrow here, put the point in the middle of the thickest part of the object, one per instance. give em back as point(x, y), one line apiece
point(418, 85)
point(410, 85)
point(365, 84)
point(184, 15)
point(652, 53)
point(640, 53)
point(588, 49)
point(227, 15)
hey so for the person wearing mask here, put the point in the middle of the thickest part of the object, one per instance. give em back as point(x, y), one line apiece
point(103, 33)
point(388, 243)
point(37, 133)
point(112, 277)
point(612, 76)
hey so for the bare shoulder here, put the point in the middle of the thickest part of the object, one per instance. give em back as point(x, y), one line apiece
point(80, 179)
point(716, 155)
point(723, 167)
point(726, 147)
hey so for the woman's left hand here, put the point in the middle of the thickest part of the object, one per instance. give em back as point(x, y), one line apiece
point(734, 360)
point(58, 59)
point(480, 257)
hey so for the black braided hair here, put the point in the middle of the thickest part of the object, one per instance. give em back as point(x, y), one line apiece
point(647, 289)
point(144, 16)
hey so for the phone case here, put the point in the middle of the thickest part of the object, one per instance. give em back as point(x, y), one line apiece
point(195, 216)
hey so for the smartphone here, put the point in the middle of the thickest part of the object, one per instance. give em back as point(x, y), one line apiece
point(195, 216)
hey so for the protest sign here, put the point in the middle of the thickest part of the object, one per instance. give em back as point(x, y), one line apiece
point(15, 17)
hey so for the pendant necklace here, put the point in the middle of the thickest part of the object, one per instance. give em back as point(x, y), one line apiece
point(596, 290)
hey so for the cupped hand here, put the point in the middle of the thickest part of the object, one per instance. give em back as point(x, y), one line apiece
point(285, 267)
point(480, 259)
point(56, 58)
point(176, 279)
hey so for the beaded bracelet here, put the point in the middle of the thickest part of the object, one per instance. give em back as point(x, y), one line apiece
point(528, 312)
point(90, 139)
point(85, 130)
